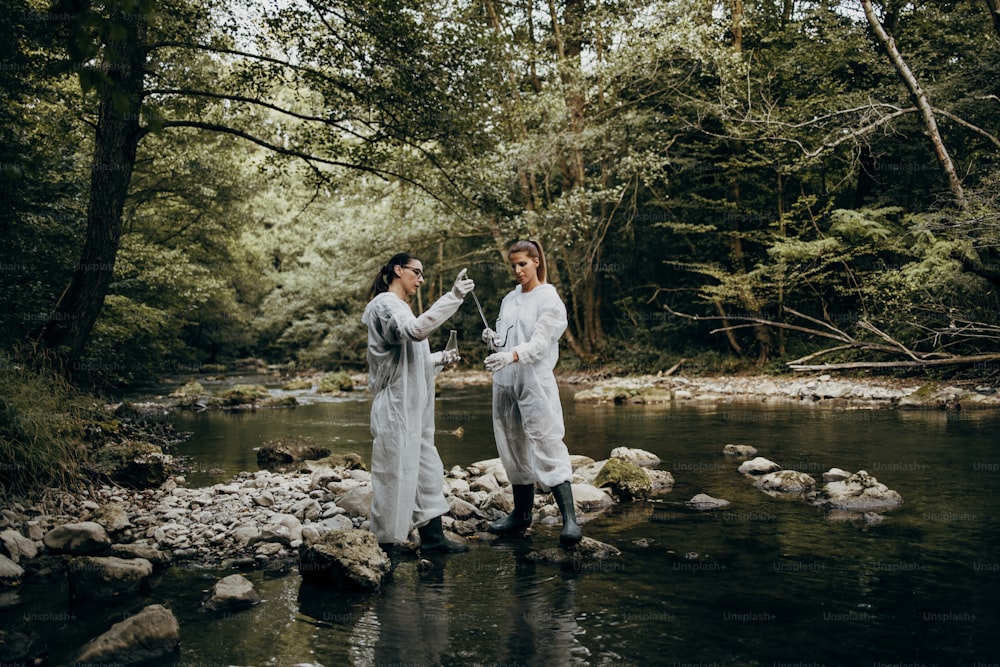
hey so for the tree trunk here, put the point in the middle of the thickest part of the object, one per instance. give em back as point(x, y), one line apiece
point(930, 123)
point(117, 137)
point(994, 7)
point(738, 25)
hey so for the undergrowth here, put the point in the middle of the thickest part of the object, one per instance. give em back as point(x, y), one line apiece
point(43, 426)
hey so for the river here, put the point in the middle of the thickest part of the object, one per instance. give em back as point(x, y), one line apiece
point(761, 582)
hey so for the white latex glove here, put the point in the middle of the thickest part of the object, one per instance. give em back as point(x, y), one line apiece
point(499, 360)
point(446, 357)
point(490, 338)
point(463, 285)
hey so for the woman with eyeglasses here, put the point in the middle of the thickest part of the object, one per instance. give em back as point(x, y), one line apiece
point(527, 415)
point(407, 473)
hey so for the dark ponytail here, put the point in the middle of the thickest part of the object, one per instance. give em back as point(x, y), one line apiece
point(388, 273)
point(534, 250)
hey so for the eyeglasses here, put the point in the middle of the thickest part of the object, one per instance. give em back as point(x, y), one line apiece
point(419, 273)
point(506, 334)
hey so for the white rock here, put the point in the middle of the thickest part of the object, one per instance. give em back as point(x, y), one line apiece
point(739, 450)
point(758, 466)
point(151, 633)
point(10, 572)
point(343, 486)
point(639, 457)
point(17, 545)
point(579, 460)
point(307, 509)
point(480, 467)
point(455, 486)
point(361, 475)
point(588, 473)
point(244, 534)
point(339, 522)
point(703, 501)
point(487, 483)
point(358, 501)
point(835, 475)
point(589, 498)
point(85, 537)
point(462, 509)
point(232, 592)
point(661, 480)
point(457, 472)
point(786, 481)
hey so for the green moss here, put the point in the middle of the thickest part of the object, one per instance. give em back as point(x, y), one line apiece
point(135, 464)
point(925, 392)
point(626, 480)
point(280, 402)
point(242, 394)
point(189, 389)
point(297, 384)
point(335, 381)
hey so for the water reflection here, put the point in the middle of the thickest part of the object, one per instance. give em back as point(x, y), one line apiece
point(763, 581)
point(414, 616)
point(540, 626)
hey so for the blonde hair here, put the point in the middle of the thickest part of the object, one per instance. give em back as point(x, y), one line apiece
point(534, 251)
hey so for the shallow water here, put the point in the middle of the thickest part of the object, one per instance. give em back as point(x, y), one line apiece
point(761, 582)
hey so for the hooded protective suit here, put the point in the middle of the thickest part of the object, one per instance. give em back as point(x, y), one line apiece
point(527, 415)
point(407, 473)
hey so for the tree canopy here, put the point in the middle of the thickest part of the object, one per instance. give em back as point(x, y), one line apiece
point(191, 182)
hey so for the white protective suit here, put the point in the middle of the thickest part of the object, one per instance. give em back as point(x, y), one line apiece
point(407, 473)
point(527, 415)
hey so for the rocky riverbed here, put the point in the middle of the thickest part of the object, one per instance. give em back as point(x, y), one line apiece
point(110, 539)
point(819, 390)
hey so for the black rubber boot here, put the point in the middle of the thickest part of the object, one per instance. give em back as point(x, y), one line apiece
point(519, 519)
point(571, 533)
point(433, 540)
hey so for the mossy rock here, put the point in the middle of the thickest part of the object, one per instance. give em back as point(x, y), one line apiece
point(652, 395)
point(279, 402)
point(334, 382)
point(608, 394)
point(242, 394)
point(189, 389)
point(626, 480)
point(139, 465)
point(297, 384)
point(293, 449)
point(350, 461)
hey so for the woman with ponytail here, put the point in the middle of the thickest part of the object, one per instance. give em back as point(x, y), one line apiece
point(407, 479)
point(527, 415)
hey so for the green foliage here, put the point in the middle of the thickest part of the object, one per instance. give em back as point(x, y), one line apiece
point(658, 164)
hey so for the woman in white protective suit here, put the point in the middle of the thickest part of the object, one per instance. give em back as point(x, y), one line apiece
point(407, 473)
point(527, 415)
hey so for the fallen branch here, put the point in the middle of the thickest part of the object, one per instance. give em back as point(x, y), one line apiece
point(935, 358)
point(920, 363)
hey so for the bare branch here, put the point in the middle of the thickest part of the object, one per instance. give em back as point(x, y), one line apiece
point(311, 160)
point(853, 365)
point(868, 326)
point(966, 124)
point(267, 59)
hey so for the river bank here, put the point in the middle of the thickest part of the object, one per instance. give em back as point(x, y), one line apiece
point(256, 522)
point(257, 517)
point(813, 389)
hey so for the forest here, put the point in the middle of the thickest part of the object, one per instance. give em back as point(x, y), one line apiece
point(723, 184)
